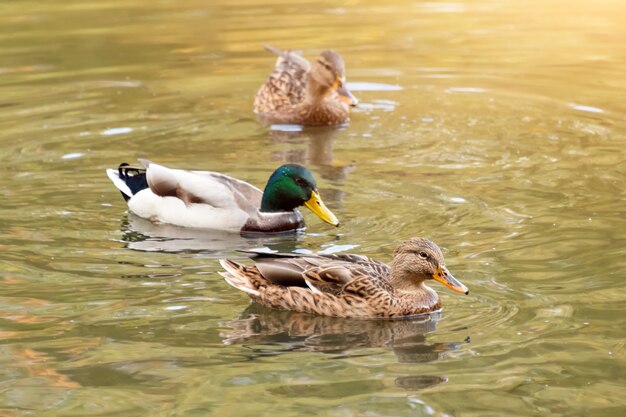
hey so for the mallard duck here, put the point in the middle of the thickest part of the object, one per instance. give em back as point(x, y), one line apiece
point(346, 285)
point(297, 92)
point(211, 200)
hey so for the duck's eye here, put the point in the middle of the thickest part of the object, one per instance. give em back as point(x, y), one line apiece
point(324, 64)
point(423, 255)
point(301, 182)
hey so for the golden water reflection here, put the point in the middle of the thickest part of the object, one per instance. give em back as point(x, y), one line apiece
point(497, 129)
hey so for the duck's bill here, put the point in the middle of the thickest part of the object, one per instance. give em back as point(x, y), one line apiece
point(346, 96)
point(317, 206)
point(446, 278)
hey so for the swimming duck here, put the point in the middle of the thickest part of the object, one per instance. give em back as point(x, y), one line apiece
point(297, 92)
point(346, 285)
point(216, 201)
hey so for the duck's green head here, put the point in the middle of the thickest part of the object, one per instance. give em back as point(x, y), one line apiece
point(292, 186)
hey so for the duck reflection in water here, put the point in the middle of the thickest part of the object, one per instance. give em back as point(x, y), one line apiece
point(317, 152)
point(143, 235)
point(278, 332)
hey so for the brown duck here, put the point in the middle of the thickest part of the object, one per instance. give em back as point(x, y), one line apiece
point(346, 285)
point(297, 92)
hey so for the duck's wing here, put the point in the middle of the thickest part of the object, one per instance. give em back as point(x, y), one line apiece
point(202, 187)
point(378, 268)
point(334, 290)
point(286, 85)
point(337, 288)
point(345, 279)
point(284, 268)
point(325, 273)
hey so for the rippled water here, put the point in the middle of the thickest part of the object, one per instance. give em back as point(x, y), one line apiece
point(497, 129)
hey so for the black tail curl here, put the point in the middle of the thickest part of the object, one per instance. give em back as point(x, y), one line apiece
point(134, 177)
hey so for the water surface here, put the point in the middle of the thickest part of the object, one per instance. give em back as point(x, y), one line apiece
point(497, 129)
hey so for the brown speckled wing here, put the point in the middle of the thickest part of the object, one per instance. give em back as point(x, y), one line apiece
point(329, 279)
point(352, 281)
point(288, 268)
point(285, 87)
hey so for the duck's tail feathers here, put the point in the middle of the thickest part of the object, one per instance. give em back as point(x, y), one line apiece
point(273, 49)
point(236, 278)
point(283, 53)
point(128, 180)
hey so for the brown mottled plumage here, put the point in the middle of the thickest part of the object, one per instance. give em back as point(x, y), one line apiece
point(345, 285)
point(300, 93)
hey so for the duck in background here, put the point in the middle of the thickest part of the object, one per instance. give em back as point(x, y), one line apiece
point(298, 92)
point(346, 285)
point(211, 200)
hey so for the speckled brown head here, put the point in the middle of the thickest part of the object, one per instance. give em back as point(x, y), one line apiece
point(419, 259)
point(328, 71)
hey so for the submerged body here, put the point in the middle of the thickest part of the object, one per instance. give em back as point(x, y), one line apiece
point(210, 200)
point(346, 285)
point(297, 92)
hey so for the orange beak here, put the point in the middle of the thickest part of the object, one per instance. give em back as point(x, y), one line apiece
point(345, 95)
point(446, 278)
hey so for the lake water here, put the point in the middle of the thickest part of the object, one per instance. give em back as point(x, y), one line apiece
point(496, 129)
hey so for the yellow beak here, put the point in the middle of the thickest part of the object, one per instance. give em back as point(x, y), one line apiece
point(446, 278)
point(317, 206)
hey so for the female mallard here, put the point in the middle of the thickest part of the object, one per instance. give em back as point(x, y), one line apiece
point(345, 285)
point(299, 93)
point(216, 201)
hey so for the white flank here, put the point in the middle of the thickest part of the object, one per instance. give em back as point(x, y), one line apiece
point(173, 210)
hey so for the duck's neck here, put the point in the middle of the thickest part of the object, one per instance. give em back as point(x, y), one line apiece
point(405, 282)
point(315, 92)
point(319, 108)
point(276, 199)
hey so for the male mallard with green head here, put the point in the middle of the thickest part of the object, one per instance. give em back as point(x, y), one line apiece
point(211, 200)
point(346, 285)
point(297, 92)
